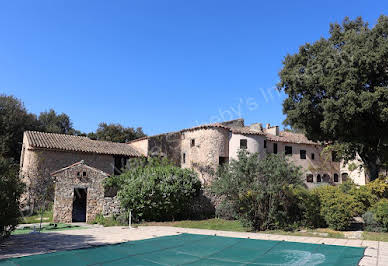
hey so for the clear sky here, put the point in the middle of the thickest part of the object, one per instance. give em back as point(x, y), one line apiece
point(162, 65)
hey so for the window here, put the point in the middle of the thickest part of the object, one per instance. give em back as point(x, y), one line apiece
point(223, 160)
point(83, 173)
point(192, 142)
point(120, 163)
point(326, 178)
point(303, 154)
point(78, 174)
point(265, 144)
point(243, 144)
point(275, 148)
point(344, 177)
point(313, 156)
point(336, 178)
point(334, 156)
point(288, 150)
point(310, 178)
point(319, 178)
point(184, 157)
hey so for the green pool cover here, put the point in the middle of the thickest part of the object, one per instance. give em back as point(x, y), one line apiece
point(191, 249)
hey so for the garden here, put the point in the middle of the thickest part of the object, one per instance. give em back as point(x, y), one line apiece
point(265, 195)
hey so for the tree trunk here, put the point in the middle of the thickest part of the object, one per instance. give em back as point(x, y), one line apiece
point(371, 161)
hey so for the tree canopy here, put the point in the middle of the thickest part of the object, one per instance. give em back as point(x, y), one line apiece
point(116, 133)
point(15, 119)
point(52, 122)
point(337, 90)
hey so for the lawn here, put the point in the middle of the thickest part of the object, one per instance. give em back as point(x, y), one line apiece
point(47, 218)
point(47, 228)
point(211, 224)
point(227, 225)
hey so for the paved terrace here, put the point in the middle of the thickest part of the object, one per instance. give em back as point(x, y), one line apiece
point(29, 244)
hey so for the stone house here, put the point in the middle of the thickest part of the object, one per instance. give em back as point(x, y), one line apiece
point(202, 148)
point(79, 193)
point(205, 147)
point(45, 153)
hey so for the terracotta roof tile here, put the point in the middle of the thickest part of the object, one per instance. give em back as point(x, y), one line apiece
point(64, 142)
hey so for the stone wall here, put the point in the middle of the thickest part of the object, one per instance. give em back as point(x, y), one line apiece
point(111, 206)
point(38, 164)
point(166, 145)
point(203, 156)
point(78, 176)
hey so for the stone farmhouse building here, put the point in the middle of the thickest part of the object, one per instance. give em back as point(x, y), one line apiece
point(78, 165)
point(205, 147)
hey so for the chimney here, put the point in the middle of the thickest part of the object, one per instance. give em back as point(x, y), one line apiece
point(268, 126)
point(256, 126)
point(273, 130)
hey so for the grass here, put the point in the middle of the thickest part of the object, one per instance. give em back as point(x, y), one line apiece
point(47, 218)
point(375, 236)
point(211, 224)
point(226, 225)
point(47, 228)
point(319, 232)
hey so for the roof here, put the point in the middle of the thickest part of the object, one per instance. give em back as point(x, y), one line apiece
point(289, 137)
point(42, 140)
point(77, 164)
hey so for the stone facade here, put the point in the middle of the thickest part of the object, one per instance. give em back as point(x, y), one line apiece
point(68, 182)
point(203, 150)
point(111, 206)
point(44, 153)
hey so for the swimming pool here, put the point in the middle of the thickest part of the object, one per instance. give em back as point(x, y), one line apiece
point(193, 249)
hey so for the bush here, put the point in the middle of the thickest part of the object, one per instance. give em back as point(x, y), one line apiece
point(259, 191)
point(309, 208)
point(363, 196)
point(337, 208)
point(379, 187)
point(111, 220)
point(11, 188)
point(380, 211)
point(226, 210)
point(157, 190)
point(370, 223)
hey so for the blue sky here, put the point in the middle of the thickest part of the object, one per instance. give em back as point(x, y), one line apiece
point(161, 65)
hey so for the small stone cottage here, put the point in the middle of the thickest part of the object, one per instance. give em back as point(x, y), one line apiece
point(79, 193)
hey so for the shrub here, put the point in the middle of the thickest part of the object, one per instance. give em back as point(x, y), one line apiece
point(337, 208)
point(309, 208)
point(370, 223)
point(364, 198)
point(11, 188)
point(226, 210)
point(380, 211)
point(110, 220)
point(259, 191)
point(157, 190)
point(379, 187)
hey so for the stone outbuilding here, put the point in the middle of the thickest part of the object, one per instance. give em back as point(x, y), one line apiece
point(79, 193)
